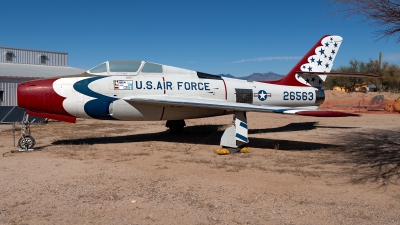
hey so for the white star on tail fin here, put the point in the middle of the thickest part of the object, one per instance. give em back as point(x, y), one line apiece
point(320, 61)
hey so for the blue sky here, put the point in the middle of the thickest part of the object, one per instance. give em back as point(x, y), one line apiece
point(213, 36)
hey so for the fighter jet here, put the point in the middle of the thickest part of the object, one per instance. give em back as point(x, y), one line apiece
point(135, 90)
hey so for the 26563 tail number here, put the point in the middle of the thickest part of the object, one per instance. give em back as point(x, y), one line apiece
point(298, 96)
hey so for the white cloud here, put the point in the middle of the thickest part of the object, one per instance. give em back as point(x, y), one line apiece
point(269, 58)
point(391, 57)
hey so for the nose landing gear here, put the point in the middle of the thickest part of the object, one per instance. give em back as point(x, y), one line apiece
point(26, 142)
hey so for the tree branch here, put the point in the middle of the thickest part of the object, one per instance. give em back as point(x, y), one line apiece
point(379, 13)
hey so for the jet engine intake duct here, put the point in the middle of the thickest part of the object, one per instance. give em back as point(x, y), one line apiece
point(39, 96)
point(319, 97)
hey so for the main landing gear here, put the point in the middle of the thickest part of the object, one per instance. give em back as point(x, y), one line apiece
point(26, 142)
point(236, 136)
point(233, 139)
point(175, 126)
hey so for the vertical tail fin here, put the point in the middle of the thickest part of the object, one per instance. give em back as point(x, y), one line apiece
point(319, 59)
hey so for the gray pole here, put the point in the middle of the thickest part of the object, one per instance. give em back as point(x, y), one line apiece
point(13, 129)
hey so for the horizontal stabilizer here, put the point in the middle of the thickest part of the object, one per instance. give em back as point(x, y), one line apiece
point(338, 74)
point(322, 113)
point(165, 100)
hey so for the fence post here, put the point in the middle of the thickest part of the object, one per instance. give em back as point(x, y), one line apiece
point(13, 129)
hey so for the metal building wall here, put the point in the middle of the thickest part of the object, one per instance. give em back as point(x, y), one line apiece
point(27, 56)
point(10, 94)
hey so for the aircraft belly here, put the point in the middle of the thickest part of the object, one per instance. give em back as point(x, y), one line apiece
point(123, 110)
point(180, 113)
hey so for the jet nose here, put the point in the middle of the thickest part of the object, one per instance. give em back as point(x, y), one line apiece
point(39, 99)
point(39, 96)
point(31, 94)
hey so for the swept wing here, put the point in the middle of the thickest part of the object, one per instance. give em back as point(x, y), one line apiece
point(232, 106)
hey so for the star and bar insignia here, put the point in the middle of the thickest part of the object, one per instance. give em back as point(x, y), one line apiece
point(262, 95)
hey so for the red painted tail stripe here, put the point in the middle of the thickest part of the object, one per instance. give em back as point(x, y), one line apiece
point(290, 78)
point(226, 92)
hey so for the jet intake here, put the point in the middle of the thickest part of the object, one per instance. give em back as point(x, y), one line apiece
point(38, 96)
point(319, 97)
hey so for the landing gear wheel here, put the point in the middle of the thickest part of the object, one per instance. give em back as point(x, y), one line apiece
point(175, 126)
point(26, 142)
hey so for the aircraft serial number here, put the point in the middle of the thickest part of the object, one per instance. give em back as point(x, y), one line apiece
point(298, 96)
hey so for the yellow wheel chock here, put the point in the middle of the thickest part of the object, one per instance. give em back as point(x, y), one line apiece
point(222, 151)
point(245, 150)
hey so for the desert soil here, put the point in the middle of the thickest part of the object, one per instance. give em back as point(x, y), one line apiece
point(301, 170)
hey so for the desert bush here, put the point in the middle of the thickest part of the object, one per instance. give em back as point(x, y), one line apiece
point(389, 76)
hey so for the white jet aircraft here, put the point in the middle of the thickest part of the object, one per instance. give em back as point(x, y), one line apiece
point(139, 90)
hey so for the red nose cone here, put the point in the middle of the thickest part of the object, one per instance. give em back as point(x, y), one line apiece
point(31, 94)
point(39, 96)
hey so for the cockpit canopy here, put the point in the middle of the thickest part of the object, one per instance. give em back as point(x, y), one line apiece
point(125, 67)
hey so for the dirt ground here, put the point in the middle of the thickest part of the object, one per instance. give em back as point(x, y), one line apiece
point(301, 170)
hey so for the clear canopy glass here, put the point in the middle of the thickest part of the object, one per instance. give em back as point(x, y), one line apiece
point(124, 65)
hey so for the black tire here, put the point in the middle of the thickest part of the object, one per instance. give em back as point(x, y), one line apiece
point(176, 129)
point(176, 126)
point(28, 142)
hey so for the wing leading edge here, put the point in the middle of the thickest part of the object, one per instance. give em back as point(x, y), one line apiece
point(166, 100)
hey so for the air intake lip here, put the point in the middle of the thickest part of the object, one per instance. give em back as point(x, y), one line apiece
point(319, 96)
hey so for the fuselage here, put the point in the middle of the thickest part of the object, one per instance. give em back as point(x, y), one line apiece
point(140, 90)
point(100, 93)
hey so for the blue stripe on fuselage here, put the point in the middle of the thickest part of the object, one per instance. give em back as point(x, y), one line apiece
point(98, 107)
point(279, 110)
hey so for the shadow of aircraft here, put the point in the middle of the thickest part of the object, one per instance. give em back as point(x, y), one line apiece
point(211, 134)
point(305, 126)
point(375, 155)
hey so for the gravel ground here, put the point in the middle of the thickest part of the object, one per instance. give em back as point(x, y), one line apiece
point(301, 170)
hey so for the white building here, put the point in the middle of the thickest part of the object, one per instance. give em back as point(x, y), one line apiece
point(18, 65)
